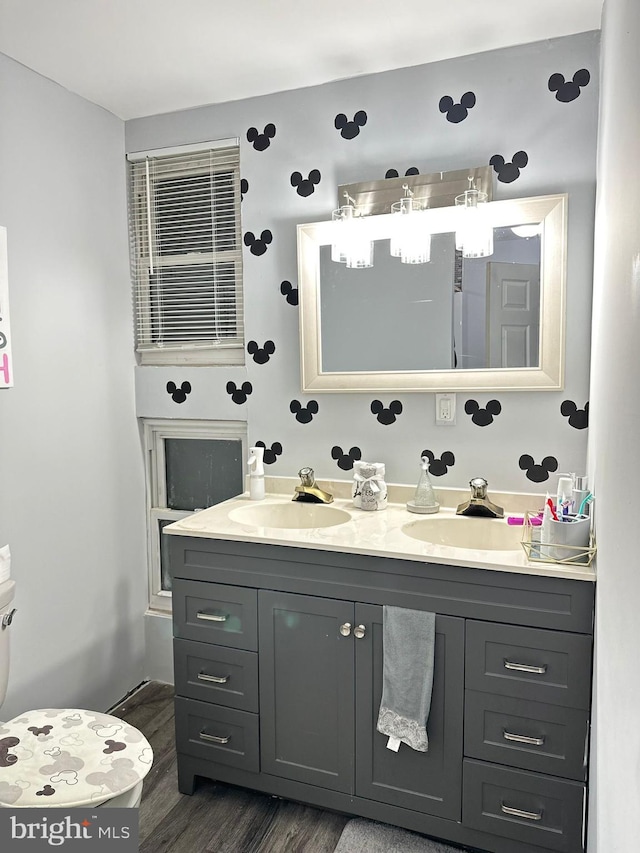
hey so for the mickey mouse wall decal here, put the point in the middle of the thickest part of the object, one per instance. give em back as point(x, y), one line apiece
point(482, 417)
point(270, 453)
point(345, 460)
point(178, 395)
point(509, 172)
point(305, 186)
point(261, 141)
point(239, 395)
point(578, 418)
point(244, 188)
point(384, 415)
point(439, 467)
point(393, 173)
point(289, 292)
point(568, 90)
point(258, 245)
point(304, 414)
point(349, 129)
point(261, 355)
point(457, 112)
point(538, 473)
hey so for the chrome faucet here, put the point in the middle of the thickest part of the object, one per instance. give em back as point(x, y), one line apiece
point(308, 490)
point(479, 503)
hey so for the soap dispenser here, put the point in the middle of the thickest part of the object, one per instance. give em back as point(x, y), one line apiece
point(424, 499)
point(256, 473)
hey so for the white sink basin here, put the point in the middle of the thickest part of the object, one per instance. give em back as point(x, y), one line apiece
point(478, 534)
point(292, 515)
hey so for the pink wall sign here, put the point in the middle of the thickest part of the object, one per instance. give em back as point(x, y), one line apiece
point(6, 365)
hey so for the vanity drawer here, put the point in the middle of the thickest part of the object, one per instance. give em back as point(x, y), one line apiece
point(529, 663)
point(216, 613)
point(523, 806)
point(530, 735)
point(216, 674)
point(223, 735)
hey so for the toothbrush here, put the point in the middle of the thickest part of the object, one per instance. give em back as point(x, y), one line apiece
point(585, 501)
point(551, 507)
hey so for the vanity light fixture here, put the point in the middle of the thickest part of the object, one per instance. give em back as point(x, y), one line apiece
point(474, 233)
point(410, 241)
point(355, 229)
point(351, 244)
point(339, 245)
point(532, 230)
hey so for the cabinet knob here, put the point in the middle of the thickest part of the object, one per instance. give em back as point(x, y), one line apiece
point(359, 631)
point(345, 629)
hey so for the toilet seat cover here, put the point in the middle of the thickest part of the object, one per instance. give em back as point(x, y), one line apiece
point(69, 757)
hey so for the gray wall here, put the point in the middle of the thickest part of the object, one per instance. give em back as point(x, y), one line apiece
point(515, 111)
point(614, 450)
point(71, 483)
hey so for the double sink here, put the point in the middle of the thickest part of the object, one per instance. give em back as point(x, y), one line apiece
point(480, 534)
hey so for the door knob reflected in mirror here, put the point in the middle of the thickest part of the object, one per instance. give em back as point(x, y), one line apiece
point(359, 631)
point(345, 629)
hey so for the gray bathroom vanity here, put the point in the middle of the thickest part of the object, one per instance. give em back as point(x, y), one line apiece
point(278, 675)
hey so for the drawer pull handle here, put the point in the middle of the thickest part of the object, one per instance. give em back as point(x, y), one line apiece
point(523, 667)
point(214, 738)
point(212, 617)
point(345, 629)
point(519, 813)
point(534, 741)
point(217, 679)
point(359, 631)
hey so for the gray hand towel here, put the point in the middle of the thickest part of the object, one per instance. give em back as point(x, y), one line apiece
point(408, 645)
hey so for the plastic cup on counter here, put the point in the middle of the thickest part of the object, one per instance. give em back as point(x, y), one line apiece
point(571, 533)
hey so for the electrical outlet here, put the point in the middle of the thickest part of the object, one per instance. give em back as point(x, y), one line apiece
point(445, 409)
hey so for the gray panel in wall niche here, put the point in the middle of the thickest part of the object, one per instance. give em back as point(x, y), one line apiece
point(202, 472)
point(208, 398)
point(514, 111)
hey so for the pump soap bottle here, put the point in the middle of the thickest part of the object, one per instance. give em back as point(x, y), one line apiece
point(256, 473)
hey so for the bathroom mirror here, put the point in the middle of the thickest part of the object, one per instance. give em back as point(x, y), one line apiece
point(453, 324)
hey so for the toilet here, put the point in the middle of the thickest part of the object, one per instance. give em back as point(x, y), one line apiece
point(66, 757)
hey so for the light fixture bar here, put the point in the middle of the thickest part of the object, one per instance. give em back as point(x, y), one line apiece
point(437, 189)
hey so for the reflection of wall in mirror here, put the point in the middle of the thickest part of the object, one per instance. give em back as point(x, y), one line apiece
point(391, 316)
point(472, 352)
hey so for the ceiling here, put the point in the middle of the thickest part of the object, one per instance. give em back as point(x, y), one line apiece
point(142, 57)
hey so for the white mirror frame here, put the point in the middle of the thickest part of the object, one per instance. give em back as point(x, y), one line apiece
point(549, 210)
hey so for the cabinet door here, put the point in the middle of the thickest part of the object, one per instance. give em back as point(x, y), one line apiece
point(306, 689)
point(428, 782)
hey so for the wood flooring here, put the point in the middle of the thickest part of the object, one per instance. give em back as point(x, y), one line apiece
point(217, 818)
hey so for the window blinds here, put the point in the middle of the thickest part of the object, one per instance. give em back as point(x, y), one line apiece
point(184, 214)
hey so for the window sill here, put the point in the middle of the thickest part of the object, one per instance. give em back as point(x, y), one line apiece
point(198, 356)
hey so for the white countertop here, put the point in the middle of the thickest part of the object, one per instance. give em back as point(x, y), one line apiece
point(371, 533)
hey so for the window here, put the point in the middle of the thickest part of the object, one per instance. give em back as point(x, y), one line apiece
point(190, 465)
point(186, 254)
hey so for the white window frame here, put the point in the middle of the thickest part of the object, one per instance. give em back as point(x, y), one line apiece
point(143, 236)
point(155, 431)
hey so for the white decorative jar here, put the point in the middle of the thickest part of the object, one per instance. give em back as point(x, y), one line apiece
point(369, 487)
